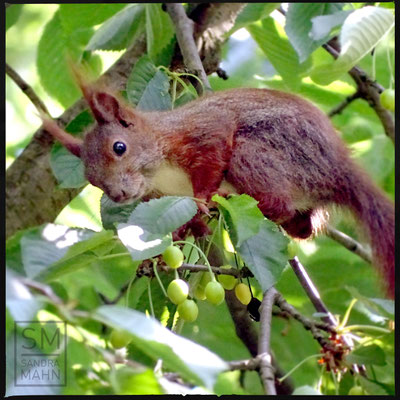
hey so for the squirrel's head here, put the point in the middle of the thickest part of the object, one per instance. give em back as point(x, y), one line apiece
point(119, 153)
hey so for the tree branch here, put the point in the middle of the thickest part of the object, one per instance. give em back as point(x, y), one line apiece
point(340, 107)
point(184, 35)
point(349, 243)
point(311, 291)
point(266, 369)
point(26, 89)
point(368, 89)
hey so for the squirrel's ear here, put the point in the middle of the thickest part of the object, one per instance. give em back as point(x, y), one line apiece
point(71, 143)
point(105, 107)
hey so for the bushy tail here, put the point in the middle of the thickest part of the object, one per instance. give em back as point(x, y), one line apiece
point(376, 213)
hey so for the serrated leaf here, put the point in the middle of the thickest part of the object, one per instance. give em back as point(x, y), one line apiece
point(148, 87)
point(362, 30)
point(120, 30)
point(250, 13)
point(242, 215)
point(54, 46)
point(279, 52)
point(322, 25)
point(367, 355)
point(112, 213)
point(159, 29)
point(192, 361)
point(12, 15)
point(163, 215)
point(298, 25)
point(76, 16)
point(266, 254)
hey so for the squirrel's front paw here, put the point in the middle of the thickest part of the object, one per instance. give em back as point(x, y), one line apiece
point(203, 208)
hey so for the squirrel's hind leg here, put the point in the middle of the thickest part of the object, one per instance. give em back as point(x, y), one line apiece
point(279, 209)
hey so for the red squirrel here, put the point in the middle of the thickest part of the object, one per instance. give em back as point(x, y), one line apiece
point(274, 146)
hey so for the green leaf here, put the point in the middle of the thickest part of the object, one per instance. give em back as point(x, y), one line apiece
point(362, 30)
point(112, 212)
point(140, 243)
point(118, 32)
point(148, 87)
point(306, 391)
point(373, 387)
point(322, 25)
point(54, 45)
point(186, 96)
point(298, 25)
point(242, 215)
point(159, 29)
point(131, 382)
point(163, 215)
point(76, 16)
point(266, 254)
point(279, 52)
point(19, 301)
point(56, 249)
point(192, 361)
point(80, 122)
point(67, 168)
point(377, 309)
point(147, 232)
point(252, 12)
point(12, 14)
point(367, 355)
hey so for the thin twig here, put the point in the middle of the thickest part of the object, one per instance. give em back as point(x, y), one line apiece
point(349, 243)
point(312, 291)
point(184, 35)
point(44, 289)
point(341, 106)
point(29, 92)
point(266, 369)
point(216, 270)
point(315, 298)
point(244, 365)
point(315, 327)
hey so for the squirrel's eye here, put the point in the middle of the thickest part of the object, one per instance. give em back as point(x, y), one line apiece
point(119, 148)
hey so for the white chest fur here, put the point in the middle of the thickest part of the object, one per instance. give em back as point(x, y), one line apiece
point(172, 180)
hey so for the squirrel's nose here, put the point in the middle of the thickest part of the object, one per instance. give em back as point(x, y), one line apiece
point(118, 196)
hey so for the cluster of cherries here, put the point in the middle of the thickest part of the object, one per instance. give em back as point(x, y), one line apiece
point(209, 288)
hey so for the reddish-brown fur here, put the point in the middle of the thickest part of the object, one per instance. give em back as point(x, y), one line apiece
point(274, 146)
